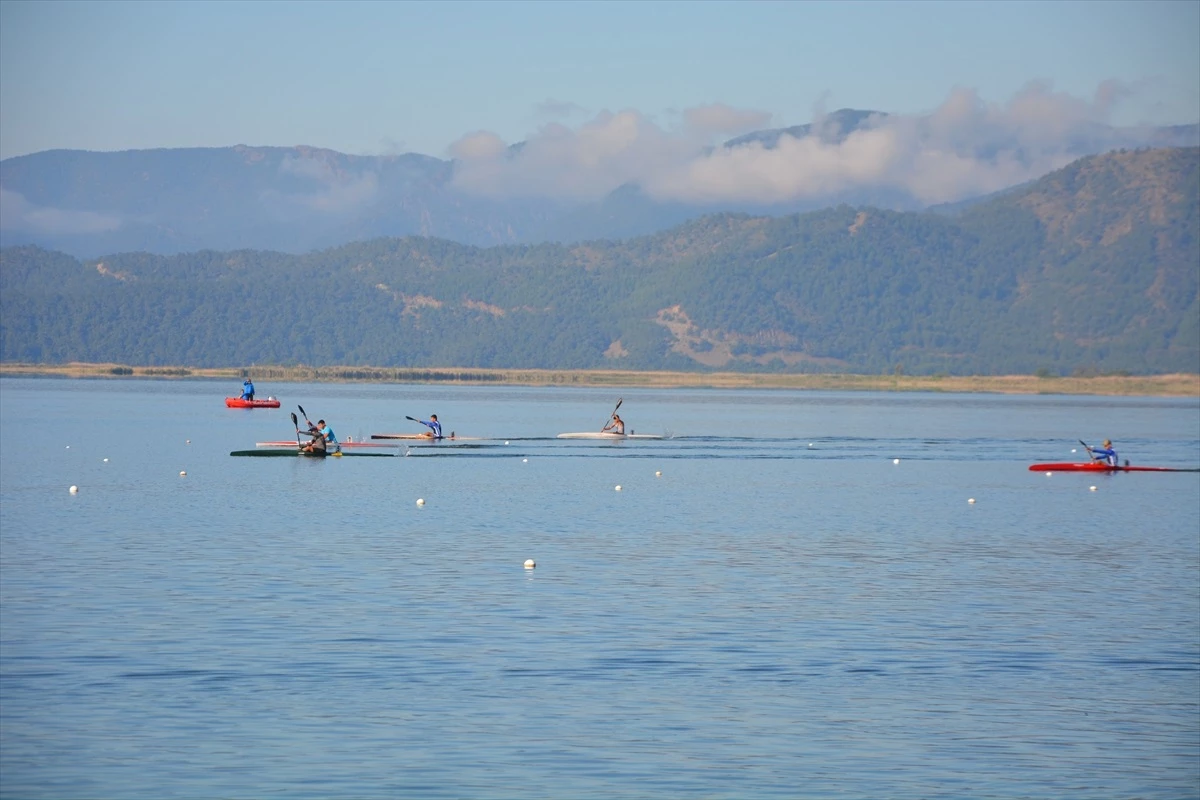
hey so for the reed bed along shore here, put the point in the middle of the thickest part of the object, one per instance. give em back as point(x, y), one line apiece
point(1175, 385)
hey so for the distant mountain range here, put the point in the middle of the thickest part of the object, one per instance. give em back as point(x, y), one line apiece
point(1092, 268)
point(297, 199)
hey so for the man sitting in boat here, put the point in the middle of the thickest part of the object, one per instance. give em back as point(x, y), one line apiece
point(616, 426)
point(435, 427)
point(316, 445)
point(247, 390)
point(1106, 452)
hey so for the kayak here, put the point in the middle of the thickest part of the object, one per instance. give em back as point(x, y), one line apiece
point(294, 452)
point(237, 402)
point(420, 437)
point(287, 442)
point(1100, 466)
point(608, 435)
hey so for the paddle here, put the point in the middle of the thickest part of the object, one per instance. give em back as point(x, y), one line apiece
point(614, 411)
point(1087, 450)
point(296, 423)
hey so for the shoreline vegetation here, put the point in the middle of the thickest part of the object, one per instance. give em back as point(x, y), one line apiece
point(1172, 385)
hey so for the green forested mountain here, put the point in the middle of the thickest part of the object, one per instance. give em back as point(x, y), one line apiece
point(1094, 267)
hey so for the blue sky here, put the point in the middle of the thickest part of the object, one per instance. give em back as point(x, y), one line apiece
point(379, 77)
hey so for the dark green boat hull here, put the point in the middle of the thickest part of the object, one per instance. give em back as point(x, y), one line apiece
point(295, 453)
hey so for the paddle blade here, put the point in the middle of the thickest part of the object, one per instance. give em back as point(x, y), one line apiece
point(295, 421)
point(303, 413)
point(414, 419)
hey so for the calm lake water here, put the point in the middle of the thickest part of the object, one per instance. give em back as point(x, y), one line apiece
point(784, 612)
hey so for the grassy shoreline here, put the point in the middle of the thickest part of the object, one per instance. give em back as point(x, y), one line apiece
point(1175, 385)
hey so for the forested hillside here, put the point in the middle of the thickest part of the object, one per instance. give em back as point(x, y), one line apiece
point(1095, 267)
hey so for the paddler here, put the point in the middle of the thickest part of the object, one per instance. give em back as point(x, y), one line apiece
point(617, 425)
point(435, 427)
point(247, 390)
point(1106, 452)
point(322, 437)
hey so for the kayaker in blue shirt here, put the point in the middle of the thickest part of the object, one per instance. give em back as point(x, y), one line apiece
point(327, 433)
point(247, 390)
point(616, 426)
point(1106, 452)
point(434, 426)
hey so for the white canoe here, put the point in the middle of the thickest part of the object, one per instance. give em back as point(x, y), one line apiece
point(608, 435)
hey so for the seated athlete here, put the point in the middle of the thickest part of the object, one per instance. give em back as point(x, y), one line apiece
point(616, 426)
point(435, 427)
point(1106, 452)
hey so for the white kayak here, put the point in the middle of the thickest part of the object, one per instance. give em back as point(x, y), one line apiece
point(608, 435)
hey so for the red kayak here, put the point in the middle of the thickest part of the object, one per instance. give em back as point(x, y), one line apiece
point(1100, 466)
point(237, 402)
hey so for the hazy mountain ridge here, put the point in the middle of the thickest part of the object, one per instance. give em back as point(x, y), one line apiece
point(295, 199)
point(1094, 267)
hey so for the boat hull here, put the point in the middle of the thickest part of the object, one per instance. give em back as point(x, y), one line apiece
point(1101, 467)
point(607, 437)
point(296, 453)
point(345, 445)
point(422, 437)
point(237, 402)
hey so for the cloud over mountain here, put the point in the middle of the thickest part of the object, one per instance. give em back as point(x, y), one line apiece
point(963, 148)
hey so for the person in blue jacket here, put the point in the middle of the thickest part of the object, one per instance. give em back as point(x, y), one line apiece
point(1106, 452)
point(247, 390)
point(434, 426)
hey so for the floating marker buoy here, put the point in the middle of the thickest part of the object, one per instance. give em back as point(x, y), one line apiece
point(506, 441)
point(617, 487)
point(810, 444)
point(1048, 474)
point(106, 461)
point(530, 563)
point(524, 460)
point(74, 490)
point(658, 474)
point(420, 501)
point(183, 473)
point(1091, 488)
point(189, 441)
point(971, 500)
point(68, 447)
point(895, 461)
point(1072, 449)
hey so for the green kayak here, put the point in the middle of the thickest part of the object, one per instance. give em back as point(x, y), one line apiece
point(293, 453)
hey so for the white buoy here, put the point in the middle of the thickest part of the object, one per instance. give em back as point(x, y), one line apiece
point(1072, 449)
point(74, 490)
point(1091, 488)
point(658, 474)
point(420, 501)
point(617, 487)
point(183, 473)
point(895, 461)
point(189, 441)
point(524, 460)
point(971, 500)
point(106, 461)
point(506, 441)
point(810, 444)
point(68, 447)
point(1048, 474)
point(530, 563)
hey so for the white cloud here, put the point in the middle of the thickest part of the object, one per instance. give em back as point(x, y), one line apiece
point(337, 191)
point(963, 148)
point(18, 214)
